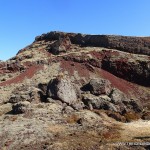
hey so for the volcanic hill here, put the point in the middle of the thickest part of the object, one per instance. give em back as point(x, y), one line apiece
point(69, 91)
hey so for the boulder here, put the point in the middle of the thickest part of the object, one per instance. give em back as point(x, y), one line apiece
point(20, 107)
point(99, 86)
point(37, 95)
point(61, 45)
point(99, 102)
point(63, 89)
point(134, 105)
point(31, 94)
point(117, 96)
point(19, 97)
point(43, 87)
point(78, 105)
point(14, 99)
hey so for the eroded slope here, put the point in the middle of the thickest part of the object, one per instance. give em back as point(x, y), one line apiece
point(74, 91)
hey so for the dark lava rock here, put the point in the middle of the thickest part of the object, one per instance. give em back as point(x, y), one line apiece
point(20, 107)
point(19, 97)
point(138, 45)
point(99, 102)
point(98, 86)
point(61, 45)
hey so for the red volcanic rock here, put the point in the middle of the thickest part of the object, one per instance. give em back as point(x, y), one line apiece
point(135, 71)
point(29, 73)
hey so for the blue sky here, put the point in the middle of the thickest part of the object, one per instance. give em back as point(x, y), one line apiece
point(22, 20)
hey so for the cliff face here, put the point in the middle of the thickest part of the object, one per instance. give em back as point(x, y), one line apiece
point(73, 89)
point(137, 45)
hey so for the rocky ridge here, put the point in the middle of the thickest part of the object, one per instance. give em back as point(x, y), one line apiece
point(75, 91)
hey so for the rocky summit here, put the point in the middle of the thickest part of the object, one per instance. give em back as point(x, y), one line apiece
point(69, 91)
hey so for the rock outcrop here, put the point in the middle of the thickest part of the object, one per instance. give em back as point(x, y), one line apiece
point(138, 45)
point(61, 45)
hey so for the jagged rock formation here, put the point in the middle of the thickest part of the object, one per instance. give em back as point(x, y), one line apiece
point(138, 45)
point(76, 91)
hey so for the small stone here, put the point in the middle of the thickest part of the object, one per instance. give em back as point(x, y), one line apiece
point(68, 110)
